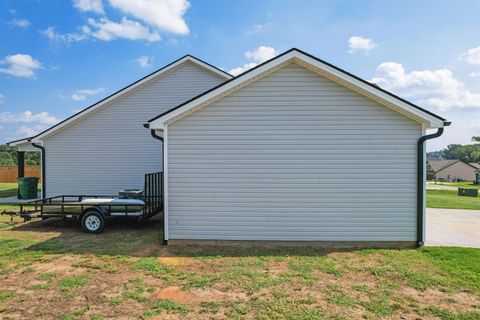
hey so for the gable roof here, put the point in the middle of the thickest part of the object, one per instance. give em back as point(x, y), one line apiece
point(123, 91)
point(475, 164)
point(317, 65)
point(439, 165)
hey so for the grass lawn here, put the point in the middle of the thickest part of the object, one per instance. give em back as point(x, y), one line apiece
point(462, 185)
point(51, 270)
point(449, 199)
point(8, 189)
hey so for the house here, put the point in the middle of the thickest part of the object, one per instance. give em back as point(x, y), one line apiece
point(475, 164)
point(267, 156)
point(451, 170)
point(104, 148)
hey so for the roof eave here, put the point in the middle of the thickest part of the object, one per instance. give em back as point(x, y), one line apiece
point(427, 118)
point(126, 89)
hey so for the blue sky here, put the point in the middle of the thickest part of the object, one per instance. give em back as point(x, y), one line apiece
point(59, 56)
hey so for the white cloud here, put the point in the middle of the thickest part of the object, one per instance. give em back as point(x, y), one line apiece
point(89, 5)
point(236, 71)
point(474, 74)
point(82, 94)
point(20, 65)
point(163, 14)
point(472, 56)
point(260, 28)
point(53, 35)
point(259, 55)
point(28, 117)
point(357, 43)
point(28, 131)
point(25, 123)
point(465, 125)
point(78, 97)
point(22, 23)
point(144, 61)
point(437, 88)
point(107, 30)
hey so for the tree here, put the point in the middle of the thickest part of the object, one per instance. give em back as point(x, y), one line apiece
point(6, 159)
point(476, 139)
point(8, 156)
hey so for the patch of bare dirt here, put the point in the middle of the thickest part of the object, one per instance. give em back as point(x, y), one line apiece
point(176, 261)
point(177, 295)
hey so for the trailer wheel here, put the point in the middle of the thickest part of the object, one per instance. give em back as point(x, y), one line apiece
point(93, 222)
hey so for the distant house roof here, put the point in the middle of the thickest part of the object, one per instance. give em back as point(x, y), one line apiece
point(475, 164)
point(438, 165)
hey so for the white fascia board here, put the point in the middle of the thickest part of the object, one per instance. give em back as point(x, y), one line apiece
point(129, 88)
point(24, 145)
point(18, 142)
point(418, 114)
point(219, 92)
point(334, 74)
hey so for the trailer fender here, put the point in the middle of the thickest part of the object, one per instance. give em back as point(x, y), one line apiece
point(101, 210)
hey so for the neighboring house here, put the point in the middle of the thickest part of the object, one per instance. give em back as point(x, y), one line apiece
point(267, 155)
point(105, 148)
point(451, 170)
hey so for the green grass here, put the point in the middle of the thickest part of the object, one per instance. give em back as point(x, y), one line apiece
point(165, 306)
point(466, 184)
point(5, 295)
point(429, 268)
point(236, 283)
point(70, 283)
point(449, 199)
point(8, 189)
point(444, 314)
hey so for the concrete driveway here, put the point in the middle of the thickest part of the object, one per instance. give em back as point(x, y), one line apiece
point(453, 227)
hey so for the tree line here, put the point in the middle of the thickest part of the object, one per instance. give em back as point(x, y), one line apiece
point(8, 156)
point(466, 153)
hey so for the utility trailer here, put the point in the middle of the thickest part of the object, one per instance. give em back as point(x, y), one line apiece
point(93, 210)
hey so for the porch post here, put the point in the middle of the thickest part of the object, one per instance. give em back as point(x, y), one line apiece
point(21, 167)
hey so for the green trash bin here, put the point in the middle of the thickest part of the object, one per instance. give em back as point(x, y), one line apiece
point(27, 187)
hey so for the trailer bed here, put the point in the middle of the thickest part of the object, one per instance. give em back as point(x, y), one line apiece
point(143, 207)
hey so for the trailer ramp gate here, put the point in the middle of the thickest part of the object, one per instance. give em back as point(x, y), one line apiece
point(153, 193)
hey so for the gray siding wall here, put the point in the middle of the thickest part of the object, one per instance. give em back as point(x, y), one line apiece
point(110, 149)
point(293, 156)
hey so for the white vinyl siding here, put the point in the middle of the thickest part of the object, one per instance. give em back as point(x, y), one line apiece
point(110, 149)
point(293, 156)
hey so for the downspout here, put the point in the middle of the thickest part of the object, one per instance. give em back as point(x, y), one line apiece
point(156, 136)
point(420, 180)
point(44, 181)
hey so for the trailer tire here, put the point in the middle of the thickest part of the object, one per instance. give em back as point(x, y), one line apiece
point(93, 222)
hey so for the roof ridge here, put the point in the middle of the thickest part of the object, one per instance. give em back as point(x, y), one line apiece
point(375, 87)
point(123, 90)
